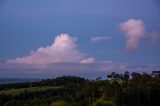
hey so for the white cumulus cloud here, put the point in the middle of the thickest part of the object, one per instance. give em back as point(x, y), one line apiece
point(100, 38)
point(88, 60)
point(134, 31)
point(63, 49)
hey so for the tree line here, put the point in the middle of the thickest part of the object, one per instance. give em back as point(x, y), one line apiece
point(126, 89)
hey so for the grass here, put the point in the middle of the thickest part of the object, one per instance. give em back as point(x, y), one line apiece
point(119, 81)
point(30, 89)
point(103, 103)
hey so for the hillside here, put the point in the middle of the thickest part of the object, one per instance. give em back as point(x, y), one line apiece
point(135, 90)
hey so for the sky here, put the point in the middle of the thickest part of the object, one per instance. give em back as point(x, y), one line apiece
point(87, 38)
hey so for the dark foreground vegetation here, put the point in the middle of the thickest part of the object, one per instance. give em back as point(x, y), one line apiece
point(127, 89)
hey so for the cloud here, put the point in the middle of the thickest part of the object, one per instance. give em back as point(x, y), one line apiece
point(100, 38)
point(155, 38)
point(57, 69)
point(88, 60)
point(134, 31)
point(63, 49)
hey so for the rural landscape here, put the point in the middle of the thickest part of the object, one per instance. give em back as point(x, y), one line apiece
point(79, 52)
point(127, 89)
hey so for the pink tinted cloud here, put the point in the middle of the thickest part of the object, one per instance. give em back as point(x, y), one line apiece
point(88, 60)
point(63, 49)
point(134, 31)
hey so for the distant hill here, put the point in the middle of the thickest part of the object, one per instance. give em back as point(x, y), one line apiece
point(17, 80)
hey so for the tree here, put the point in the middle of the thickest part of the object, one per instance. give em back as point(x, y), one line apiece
point(113, 75)
point(126, 75)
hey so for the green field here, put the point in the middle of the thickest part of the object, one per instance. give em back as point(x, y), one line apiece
point(119, 81)
point(30, 89)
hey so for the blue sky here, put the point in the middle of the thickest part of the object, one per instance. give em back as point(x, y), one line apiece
point(28, 25)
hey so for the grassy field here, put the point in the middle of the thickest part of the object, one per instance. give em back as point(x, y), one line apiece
point(119, 81)
point(30, 89)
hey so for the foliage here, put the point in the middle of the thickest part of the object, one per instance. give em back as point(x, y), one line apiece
point(58, 103)
point(103, 103)
point(29, 89)
point(133, 89)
